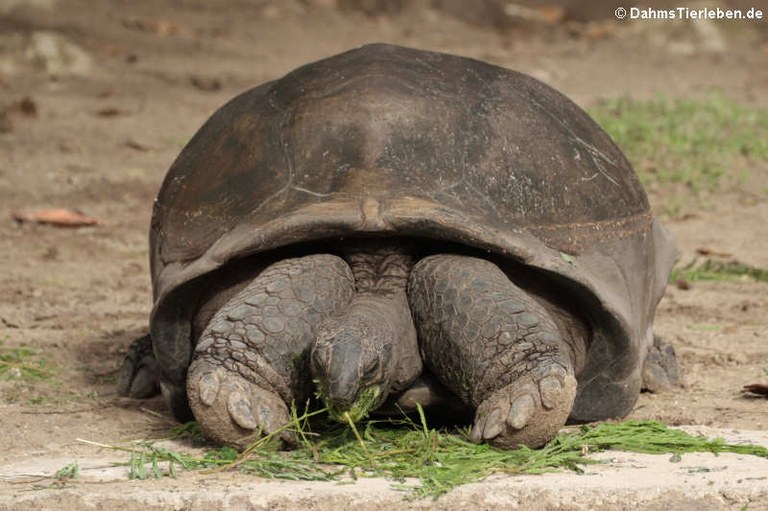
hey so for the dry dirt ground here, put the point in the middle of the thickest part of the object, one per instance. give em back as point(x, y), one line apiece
point(105, 119)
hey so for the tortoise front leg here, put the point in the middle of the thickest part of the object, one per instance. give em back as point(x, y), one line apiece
point(494, 346)
point(251, 361)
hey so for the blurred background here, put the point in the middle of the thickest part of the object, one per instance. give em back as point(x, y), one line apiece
point(98, 97)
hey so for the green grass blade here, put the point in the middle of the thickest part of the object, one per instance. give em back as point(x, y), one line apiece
point(436, 460)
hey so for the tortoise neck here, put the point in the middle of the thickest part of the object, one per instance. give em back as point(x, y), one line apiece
point(380, 267)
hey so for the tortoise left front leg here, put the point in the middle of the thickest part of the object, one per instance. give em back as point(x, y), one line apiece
point(494, 346)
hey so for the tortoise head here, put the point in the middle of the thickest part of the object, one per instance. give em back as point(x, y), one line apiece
point(351, 365)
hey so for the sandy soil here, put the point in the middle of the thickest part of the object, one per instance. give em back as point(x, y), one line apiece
point(107, 120)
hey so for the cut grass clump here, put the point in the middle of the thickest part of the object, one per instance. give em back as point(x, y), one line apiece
point(22, 364)
point(419, 459)
point(71, 471)
point(713, 270)
point(686, 147)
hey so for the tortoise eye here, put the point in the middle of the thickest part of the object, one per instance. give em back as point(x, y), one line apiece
point(371, 369)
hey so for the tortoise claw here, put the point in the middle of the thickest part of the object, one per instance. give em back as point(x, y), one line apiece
point(209, 385)
point(493, 426)
point(550, 388)
point(521, 412)
point(239, 408)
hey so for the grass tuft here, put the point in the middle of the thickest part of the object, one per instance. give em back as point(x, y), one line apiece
point(22, 364)
point(191, 431)
point(713, 270)
point(424, 461)
point(70, 471)
point(686, 146)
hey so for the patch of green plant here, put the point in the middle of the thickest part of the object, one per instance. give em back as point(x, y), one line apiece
point(714, 270)
point(41, 399)
point(686, 145)
point(706, 328)
point(70, 471)
point(422, 460)
point(191, 431)
point(22, 364)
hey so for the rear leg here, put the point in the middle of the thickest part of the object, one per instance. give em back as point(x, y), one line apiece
point(494, 346)
point(660, 369)
point(251, 361)
point(139, 375)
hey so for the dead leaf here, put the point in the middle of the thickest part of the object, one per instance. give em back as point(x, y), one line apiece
point(597, 32)
point(547, 14)
point(6, 126)
point(551, 14)
point(706, 251)
point(8, 324)
point(682, 284)
point(138, 146)
point(59, 217)
point(328, 4)
point(109, 111)
point(28, 106)
point(761, 389)
point(109, 49)
point(51, 254)
point(68, 146)
point(155, 26)
point(205, 84)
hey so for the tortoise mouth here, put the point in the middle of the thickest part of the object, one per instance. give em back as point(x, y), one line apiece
point(356, 409)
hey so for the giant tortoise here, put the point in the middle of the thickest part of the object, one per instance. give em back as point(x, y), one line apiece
point(391, 227)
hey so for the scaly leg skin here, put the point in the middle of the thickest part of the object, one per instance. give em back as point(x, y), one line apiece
point(251, 361)
point(494, 346)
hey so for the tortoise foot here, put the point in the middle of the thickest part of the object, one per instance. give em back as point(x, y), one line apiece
point(231, 409)
point(660, 370)
point(140, 373)
point(528, 412)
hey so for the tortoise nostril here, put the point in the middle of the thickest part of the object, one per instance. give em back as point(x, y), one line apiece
point(343, 391)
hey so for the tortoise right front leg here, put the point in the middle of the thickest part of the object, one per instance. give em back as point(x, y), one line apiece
point(494, 346)
point(251, 361)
